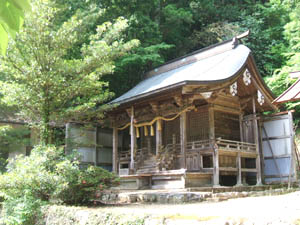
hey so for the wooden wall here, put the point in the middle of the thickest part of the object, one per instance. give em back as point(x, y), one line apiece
point(227, 126)
point(198, 125)
point(169, 129)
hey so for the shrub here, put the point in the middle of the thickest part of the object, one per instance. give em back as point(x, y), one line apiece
point(23, 210)
point(48, 174)
point(66, 215)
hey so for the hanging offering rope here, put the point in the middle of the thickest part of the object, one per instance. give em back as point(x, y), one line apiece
point(157, 118)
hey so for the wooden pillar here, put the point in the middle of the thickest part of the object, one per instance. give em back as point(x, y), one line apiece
point(200, 162)
point(183, 138)
point(292, 168)
point(216, 171)
point(241, 128)
point(211, 119)
point(239, 169)
point(262, 163)
point(115, 150)
point(256, 138)
point(132, 139)
point(158, 136)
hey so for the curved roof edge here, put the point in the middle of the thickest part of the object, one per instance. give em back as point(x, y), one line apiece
point(215, 65)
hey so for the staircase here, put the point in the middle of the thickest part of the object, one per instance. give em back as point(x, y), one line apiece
point(149, 165)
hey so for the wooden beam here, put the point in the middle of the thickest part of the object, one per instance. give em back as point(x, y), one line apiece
point(256, 138)
point(183, 138)
point(178, 100)
point(226, 109)
point(154, 106)
point(132, 139)
point(115, 150)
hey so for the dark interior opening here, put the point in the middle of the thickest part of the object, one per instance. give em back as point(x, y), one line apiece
point(207, 161)
point(250, 163)
point(251, 178)
point(124, 166)
point(227, 180)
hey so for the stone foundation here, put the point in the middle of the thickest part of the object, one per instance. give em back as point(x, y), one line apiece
point(191, 195)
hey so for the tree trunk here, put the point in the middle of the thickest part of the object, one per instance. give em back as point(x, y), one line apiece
point(45, 132)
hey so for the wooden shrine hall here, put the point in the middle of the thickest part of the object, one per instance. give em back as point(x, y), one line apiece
point(193, 122)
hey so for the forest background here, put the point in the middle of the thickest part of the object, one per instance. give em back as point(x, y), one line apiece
point(168, 29)
point(71, 57)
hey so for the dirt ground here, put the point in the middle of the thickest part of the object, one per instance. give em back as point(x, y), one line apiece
point(281, 209)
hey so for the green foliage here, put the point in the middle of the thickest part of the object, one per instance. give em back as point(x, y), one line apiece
point(280, 80)
point(266, 40)
point(62, 215)
point(11, 138)
point(83, 185)
point(11, 20)
point(45, 82)
point(48, 175)
point(23, 210)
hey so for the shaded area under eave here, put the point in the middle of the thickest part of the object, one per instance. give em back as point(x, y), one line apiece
point(290, 95)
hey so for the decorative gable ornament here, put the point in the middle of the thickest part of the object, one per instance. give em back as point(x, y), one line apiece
point(206, 95)
point(260, 97)
point(247, 77)
point(233, 89)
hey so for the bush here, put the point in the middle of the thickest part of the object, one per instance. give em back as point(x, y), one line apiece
point(23, 210)
point(63, 215)
point(48, 174)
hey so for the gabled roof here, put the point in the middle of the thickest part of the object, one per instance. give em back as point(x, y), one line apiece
point(210, 65)
point(291, 94)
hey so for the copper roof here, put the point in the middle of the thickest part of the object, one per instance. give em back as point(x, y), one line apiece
point(291, 94)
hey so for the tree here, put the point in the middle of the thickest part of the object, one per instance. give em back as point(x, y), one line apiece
point(11, 19)
point(45, 82)
point(280, 81)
